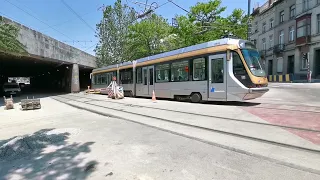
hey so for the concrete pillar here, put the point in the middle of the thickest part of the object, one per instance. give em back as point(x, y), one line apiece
point(75, 83)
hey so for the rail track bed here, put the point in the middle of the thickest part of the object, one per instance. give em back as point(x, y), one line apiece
point(242, 134)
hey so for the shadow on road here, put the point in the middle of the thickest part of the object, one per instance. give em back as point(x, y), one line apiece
point(230, 103)
point(45, 154)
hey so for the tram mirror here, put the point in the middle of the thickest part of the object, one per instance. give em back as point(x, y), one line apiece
point(228, 55)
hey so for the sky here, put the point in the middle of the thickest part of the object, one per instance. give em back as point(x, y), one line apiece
point(53, 18)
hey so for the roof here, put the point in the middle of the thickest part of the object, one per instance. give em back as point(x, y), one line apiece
point(219, 42)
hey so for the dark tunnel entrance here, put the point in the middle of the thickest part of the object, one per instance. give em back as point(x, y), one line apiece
point(45, 75)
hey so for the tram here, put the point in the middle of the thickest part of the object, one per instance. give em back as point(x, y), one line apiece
point(221, 70)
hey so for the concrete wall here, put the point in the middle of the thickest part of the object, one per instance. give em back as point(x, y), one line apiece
point(44, 46)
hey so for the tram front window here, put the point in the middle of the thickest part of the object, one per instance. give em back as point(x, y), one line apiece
point(252, 58)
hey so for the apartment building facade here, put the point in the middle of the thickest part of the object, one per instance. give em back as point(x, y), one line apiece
point(296, 31)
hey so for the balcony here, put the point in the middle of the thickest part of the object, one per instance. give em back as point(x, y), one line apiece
point(278, 48)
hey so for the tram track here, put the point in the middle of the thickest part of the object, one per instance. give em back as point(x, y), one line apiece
point(205, 115)
point(312, 150)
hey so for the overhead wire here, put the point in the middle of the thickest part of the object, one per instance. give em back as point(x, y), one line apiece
point(74, 12)
point(38, 19)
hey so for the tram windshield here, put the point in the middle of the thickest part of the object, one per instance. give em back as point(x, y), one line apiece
point(252, 58)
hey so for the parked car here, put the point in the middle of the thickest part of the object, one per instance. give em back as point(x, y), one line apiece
point(11, 89)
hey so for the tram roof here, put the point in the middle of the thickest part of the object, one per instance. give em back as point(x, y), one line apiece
point(219, 42)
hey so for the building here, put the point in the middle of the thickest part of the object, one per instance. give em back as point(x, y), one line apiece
point(294, 30)
point(262, 33)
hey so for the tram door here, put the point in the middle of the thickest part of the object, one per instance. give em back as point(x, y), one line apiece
point(148, 80)
point(217, 78)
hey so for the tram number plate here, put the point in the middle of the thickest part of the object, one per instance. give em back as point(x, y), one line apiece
point(13, 92)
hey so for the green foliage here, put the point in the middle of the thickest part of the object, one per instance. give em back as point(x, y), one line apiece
point(148, 37)
point(122, 38)
point(204, 23)
point(8, 38)
point(113, 34)
point(238, 23)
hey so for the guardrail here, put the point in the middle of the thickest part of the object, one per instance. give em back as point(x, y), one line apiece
point(281, 78)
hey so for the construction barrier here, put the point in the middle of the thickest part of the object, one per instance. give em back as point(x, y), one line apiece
point(281, 78)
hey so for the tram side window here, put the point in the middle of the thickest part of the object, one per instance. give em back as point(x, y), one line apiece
point(93, 79)
point(162, 73)
point(139, 75)
point(98, 79)
point(238, 67)
point(180, 71)
point(103, 78)
point(126, 76)
point(217, 70)
point(109, 77)
point(145, 76)
point(199, 69)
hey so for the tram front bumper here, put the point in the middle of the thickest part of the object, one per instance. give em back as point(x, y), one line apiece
point(255, 93)
point(258, 90)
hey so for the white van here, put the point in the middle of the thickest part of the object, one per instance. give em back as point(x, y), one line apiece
point(11, 89)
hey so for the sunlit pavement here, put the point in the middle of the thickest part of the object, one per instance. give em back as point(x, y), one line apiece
point(291, 104)
point(83, 145)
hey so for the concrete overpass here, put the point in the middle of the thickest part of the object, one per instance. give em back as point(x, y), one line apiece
point(48, 62)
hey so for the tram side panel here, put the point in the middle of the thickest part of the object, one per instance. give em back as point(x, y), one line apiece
point(236, 90)
point(172, 89)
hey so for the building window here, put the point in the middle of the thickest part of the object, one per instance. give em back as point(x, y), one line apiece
point(271, 41)
point(303, 28)
point(305, 5)
point(264, 45)
point(162, 72)
point(281, 16)
point(318, 23)
point(292, 11)
point(281, 36)
point(256, 27)
point(291, 33)
point(271, 23)
point(180, 71)
point(264, 27)
point(139, 75)
point(199, 69)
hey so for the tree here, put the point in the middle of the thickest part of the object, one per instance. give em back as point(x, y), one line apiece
point(237, 23)
point(9, 38)
point(200, 24)
point(204, 23)
point(113, 34)
point(148, 37)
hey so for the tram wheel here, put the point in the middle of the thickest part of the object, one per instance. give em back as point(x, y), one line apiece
point(196, 97)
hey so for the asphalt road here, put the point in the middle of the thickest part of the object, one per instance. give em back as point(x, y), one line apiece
point(292, 93)
point(83, 145)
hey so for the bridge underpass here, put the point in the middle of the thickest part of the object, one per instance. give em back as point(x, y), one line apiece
point(51, 65)
point(45, 75)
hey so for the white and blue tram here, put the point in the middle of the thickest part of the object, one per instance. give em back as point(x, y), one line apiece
point(221, 70)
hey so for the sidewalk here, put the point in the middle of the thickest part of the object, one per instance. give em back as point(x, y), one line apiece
point(273, 134)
